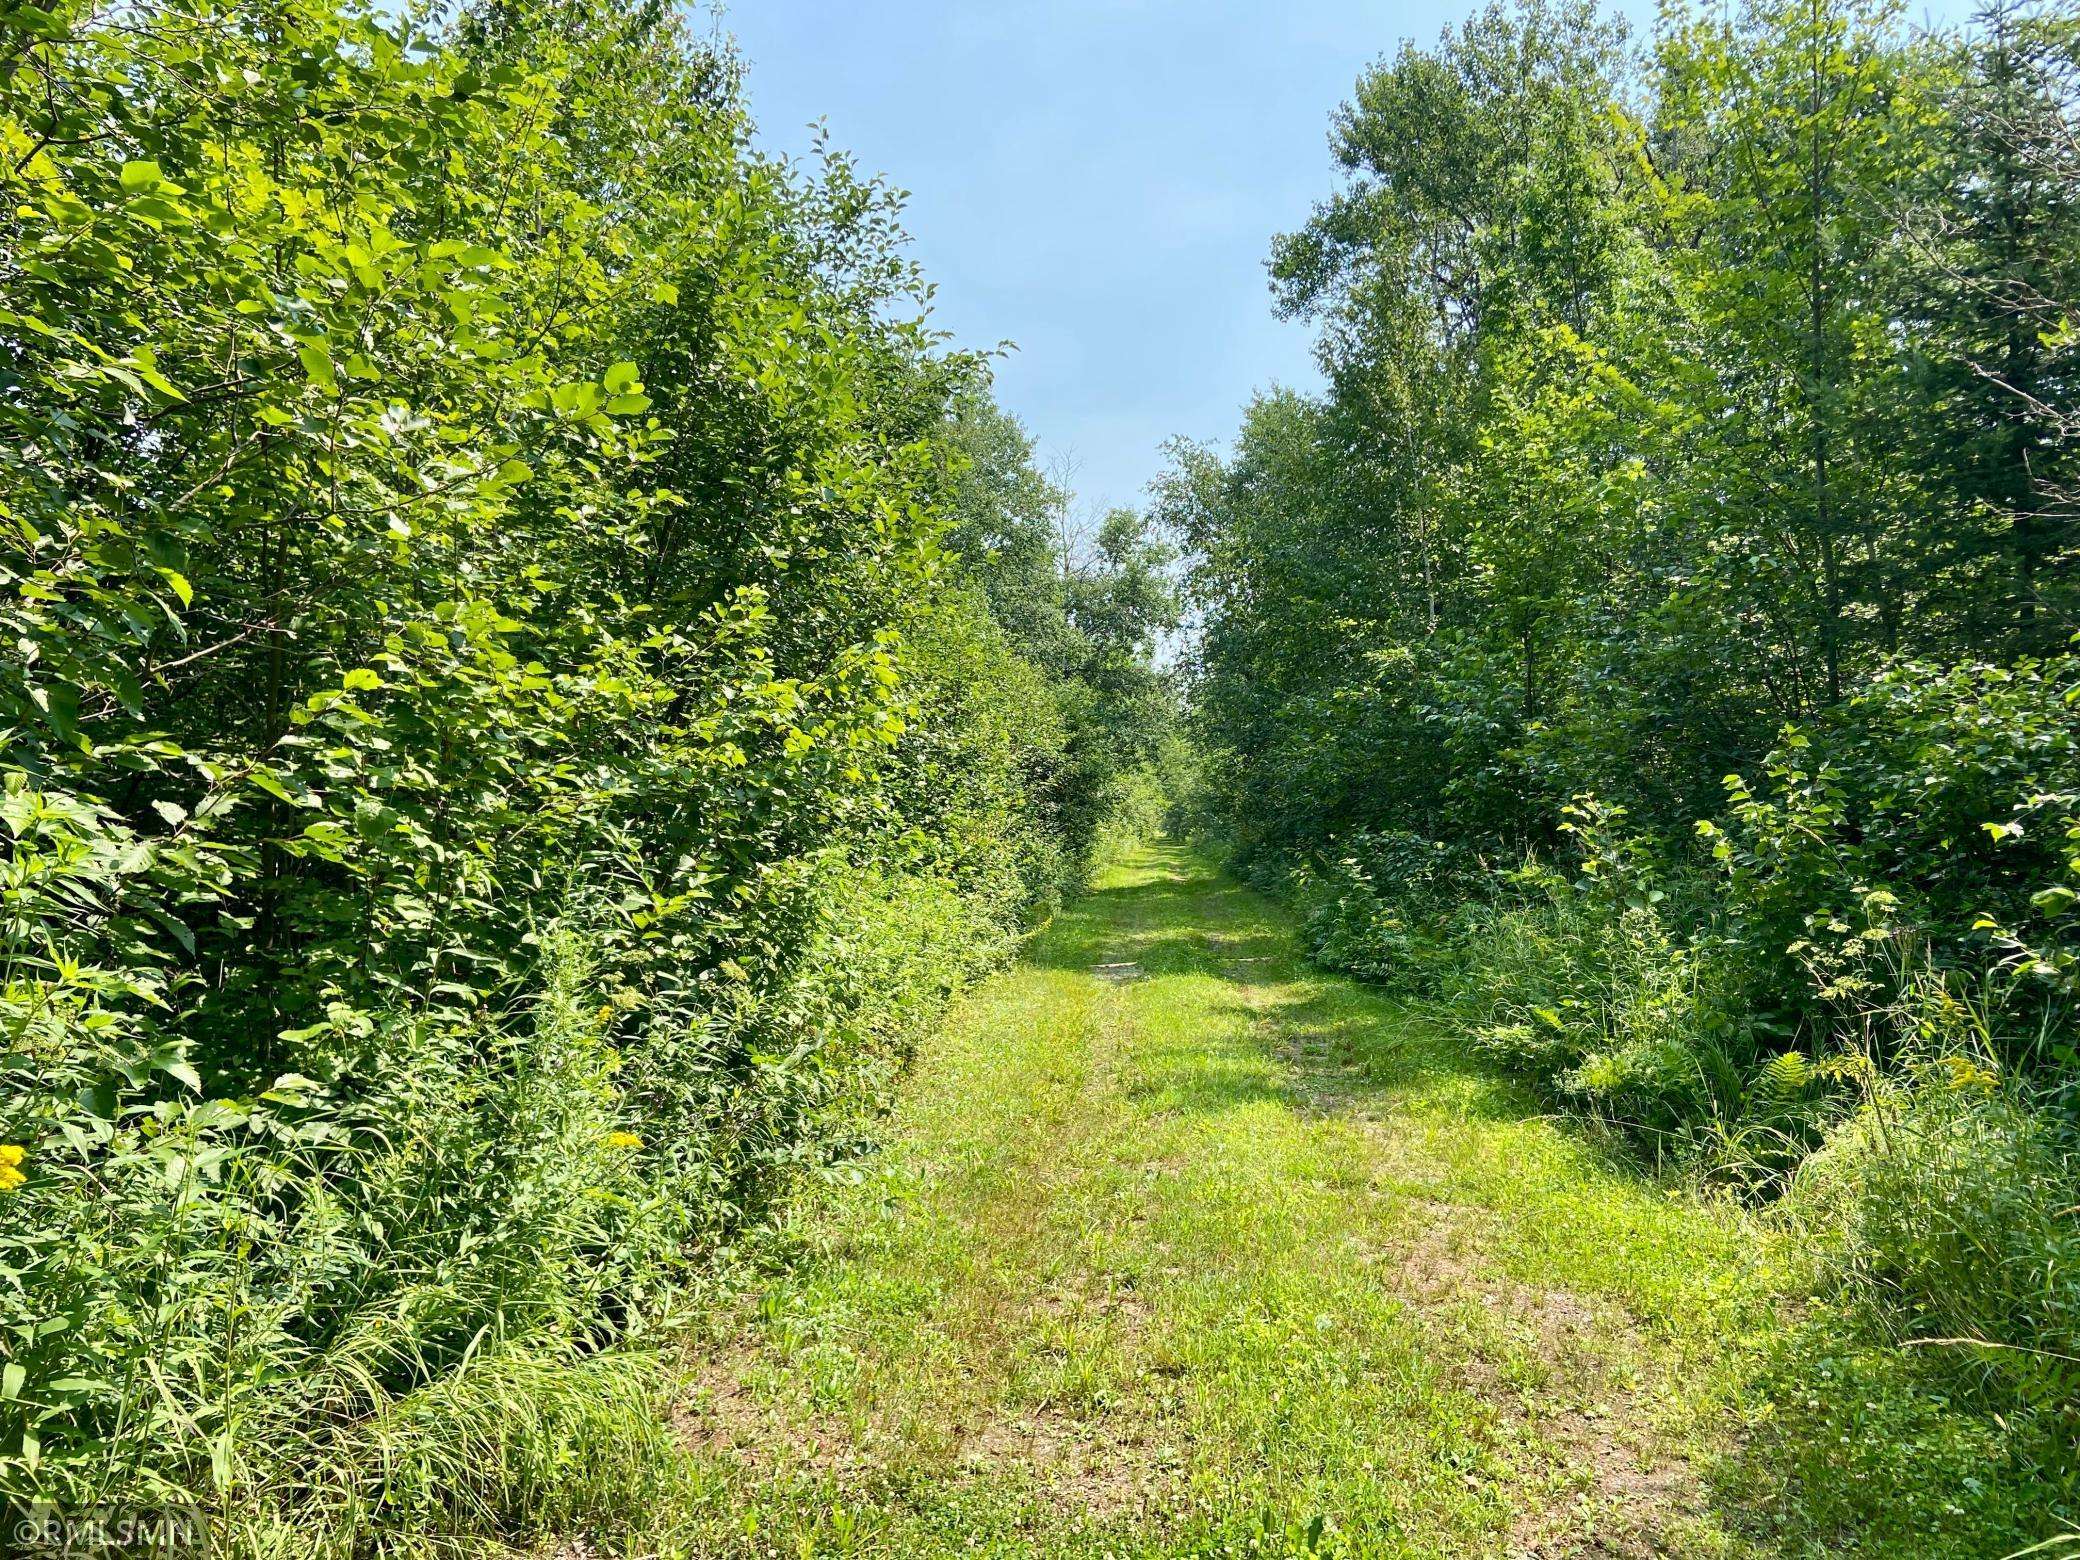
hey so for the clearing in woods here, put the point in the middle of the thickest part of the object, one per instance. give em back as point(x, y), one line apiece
point(1181, 1247)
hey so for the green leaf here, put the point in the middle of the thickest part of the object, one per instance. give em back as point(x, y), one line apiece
point(158, 382)
point(317, 364)
point(264, 781)
point(60, 705)
point(142, 175)
point(576, 400)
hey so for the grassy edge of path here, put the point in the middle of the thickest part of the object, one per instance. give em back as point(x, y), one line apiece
point(1178, 1246)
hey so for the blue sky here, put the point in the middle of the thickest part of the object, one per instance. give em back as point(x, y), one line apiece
point(1097, 181)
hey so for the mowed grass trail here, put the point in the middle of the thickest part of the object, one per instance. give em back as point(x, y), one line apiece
point(1179, 1247)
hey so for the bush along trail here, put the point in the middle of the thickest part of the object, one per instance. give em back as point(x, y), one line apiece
point(1181, 1247)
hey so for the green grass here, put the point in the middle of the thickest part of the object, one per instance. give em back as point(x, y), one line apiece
point(1232, 1257)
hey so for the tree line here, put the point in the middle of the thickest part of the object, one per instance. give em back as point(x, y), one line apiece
point(1656, 636)
point(532, 669)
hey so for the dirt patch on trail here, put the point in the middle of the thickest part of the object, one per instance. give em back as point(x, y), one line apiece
point(1105, 1465)
point(1634, 1496)
point(1617, 1489)
point(1096, 1464)
point(721, 1416)
point(1109, 1299)
point(1106, 1461)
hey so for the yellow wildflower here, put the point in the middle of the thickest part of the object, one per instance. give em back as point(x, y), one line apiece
point(623, 1140)
point(11, 1166)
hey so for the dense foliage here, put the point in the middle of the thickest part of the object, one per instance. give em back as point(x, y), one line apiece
point(509, 723)
point(1656, 637)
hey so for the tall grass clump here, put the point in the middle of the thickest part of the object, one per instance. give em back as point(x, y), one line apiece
point(1941, 1204)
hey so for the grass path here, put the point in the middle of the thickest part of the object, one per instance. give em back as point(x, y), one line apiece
point(1180, 1247)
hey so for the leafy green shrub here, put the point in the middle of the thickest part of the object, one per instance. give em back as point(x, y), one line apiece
point(1602, 1006)
point(203, 1288)
point(1937, 810)
point(1582, 984)
point(197, 1283)
point(1379, 907)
